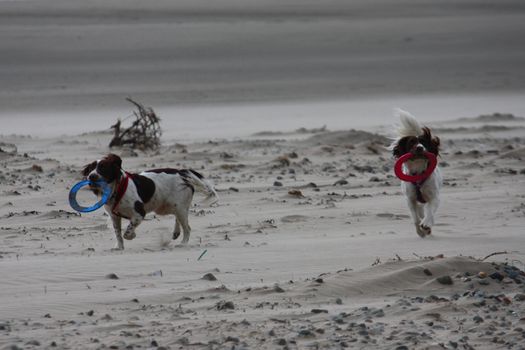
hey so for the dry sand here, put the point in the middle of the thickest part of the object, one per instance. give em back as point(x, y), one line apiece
point(333, 263)
point(312, 245)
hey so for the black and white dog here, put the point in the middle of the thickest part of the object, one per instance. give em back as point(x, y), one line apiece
point(163, 191)
point(423, 196)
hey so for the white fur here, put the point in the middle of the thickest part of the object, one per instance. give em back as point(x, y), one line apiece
point(172, 195)
point(423, 214)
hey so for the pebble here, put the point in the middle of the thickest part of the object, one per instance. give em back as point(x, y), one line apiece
point(112, 276)
point(427, 272)
point(306, 333)
point(497, 276)
point(225, 305)
point(232, 339)
point(281, 341)
point(339, 301)
point(519, 297)
point(277, 183)
point(484, 282)
point(319, 311)
point(477, 319)
point(482, 274)
point(278, 289)
point(447, 280)
point(209, 277)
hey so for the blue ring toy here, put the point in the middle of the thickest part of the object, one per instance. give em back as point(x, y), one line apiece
point(106, 192)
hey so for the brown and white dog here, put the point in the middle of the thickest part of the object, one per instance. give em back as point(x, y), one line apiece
point(163, 191)
point(422, 197)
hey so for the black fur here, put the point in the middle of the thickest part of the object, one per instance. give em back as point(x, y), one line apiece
point(139, 208)
point(145, 187)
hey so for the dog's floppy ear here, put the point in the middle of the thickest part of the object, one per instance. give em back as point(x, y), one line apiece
point(400, 147)
point(432, 143)
point(89, 168)
point(114, 159)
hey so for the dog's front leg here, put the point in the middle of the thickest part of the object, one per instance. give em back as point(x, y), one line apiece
point(429, 210)
point(117, 226)
point(415, 212)
point(134, 221)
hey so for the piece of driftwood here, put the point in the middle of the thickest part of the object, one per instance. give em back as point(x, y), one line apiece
point(144, 132)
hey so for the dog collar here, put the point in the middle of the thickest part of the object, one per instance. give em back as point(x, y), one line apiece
point(121, 189)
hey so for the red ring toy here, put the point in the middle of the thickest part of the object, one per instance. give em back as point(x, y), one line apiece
point(398, 168)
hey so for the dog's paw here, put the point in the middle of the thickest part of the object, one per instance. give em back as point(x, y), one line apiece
point(176, 235)
point(118, 247)
point(129, 235)
point(420, 231)
point(426, 230)
point(427, 222)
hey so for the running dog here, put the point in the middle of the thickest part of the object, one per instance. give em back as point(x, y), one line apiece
point(422, 196)
point(163, 191)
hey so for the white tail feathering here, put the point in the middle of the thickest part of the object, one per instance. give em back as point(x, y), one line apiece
point(205, 187)
point(409, 125)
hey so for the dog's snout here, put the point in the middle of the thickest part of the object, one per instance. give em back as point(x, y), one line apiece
point(93, 177)
point(419, 149)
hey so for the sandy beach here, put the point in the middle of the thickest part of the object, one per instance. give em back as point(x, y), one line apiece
point(287, 109)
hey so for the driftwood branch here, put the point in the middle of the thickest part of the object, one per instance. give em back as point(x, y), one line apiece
point(492, 254)
point(144, 132)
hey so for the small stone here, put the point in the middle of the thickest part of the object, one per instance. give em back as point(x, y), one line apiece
point(447, 280)
point(225, 305)
point(519, 297)
point(477, 319)
point(154, 343)
point(402, 347)
point(296, 193)
point(319, 311)
point(281, 342)
point(278, 289)
point(339, 301)
point(427, 272)
point(484, 282)
point(90, 313)
point(112, 276)
point(232, 339)
point(277, 183)
point(37, 168)
point(209, 277)
point(319, 280)
point(497, 276)
point(379, 313)
point(306, 333)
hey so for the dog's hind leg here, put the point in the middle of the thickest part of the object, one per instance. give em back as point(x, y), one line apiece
point(182, 220)
point(117, 226)
point(176, 232)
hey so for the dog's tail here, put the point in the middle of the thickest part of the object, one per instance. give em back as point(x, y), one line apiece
point(203, 186)
point(409, 125)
